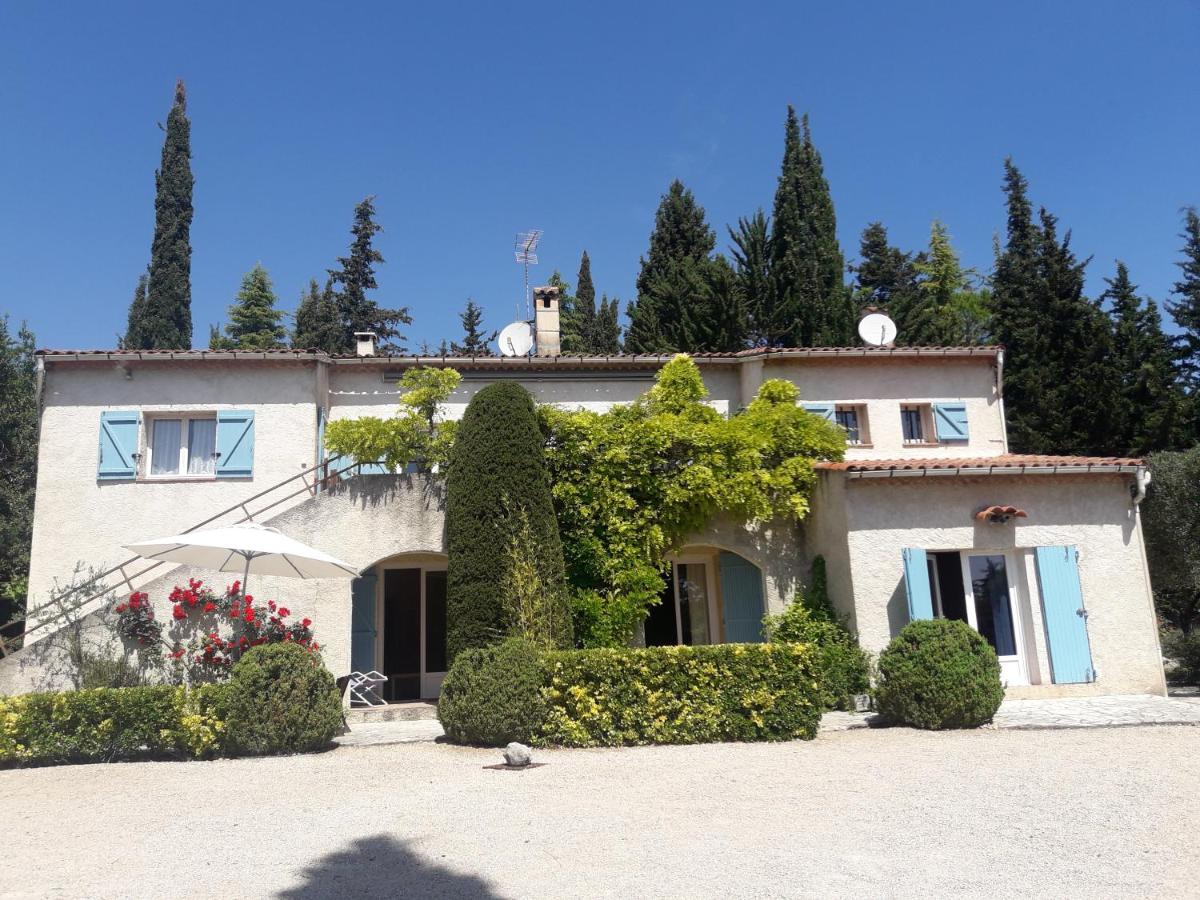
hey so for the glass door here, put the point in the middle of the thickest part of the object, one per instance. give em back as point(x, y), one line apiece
point(992, 610)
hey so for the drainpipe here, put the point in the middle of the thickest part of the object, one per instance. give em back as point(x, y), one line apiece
point(1000, 396)
point(1142, 480)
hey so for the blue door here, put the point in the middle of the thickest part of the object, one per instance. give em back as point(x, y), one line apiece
point(742, 598)
point(1064, 615)
point(362, 627)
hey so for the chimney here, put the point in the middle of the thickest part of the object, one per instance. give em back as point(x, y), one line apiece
point(366, 343)
point(545, 317)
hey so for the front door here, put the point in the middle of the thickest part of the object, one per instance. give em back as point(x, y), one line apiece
point(992, 611)
point(414, 632)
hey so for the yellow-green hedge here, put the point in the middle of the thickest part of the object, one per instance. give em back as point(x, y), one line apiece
point(108, 724)
point(681, 695)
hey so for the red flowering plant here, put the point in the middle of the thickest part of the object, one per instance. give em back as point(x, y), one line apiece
point(198, 648)
point(135, 621)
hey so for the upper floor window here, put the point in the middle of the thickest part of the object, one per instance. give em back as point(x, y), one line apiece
point(182, 446)
point(854, 420)
point(912, 422)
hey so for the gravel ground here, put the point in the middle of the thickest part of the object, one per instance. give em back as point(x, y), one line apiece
point(1098, 813)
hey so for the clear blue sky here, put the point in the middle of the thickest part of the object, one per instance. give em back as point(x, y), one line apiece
point(471, 122)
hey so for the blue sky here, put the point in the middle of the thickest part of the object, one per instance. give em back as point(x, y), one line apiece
point(469, 122)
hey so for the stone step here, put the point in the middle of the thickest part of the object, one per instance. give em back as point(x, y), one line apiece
point(408, 711)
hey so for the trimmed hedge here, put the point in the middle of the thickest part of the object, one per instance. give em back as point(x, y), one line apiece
point(939, 673)
point(281, 699)
point(493, 695)
point(845, 666)
point(109, 724)
point(681, 695)
point(497, 468)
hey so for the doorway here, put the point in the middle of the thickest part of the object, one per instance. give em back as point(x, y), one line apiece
point(977, 587)
point(413, 637)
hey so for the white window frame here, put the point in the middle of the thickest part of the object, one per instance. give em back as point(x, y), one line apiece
point(146, 463)
point(715, 635)
point(860, 415)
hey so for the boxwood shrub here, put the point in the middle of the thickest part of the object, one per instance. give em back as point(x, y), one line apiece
point(681, 695)
point(109, 724)
point(845, 667)
point(281, 699)
point(493, 695)
point(939, 673)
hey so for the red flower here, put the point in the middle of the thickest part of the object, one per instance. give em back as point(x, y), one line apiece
point(284, 612)
point(121, 607)
point(271, 605)
point(178, 612)
point(209, 606)
point(306, 622)
point(249, 614)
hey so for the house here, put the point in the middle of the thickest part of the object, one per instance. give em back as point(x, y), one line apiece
point(929, 514)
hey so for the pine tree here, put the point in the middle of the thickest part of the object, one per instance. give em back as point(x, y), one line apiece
point(1145, 418)
point(254, 322)
point(607, 340)
point(675, 265)
point(809, 305)
point(475, 341)
point(18, 464)
point(165, 319)
point(1185, 308)
point(319, 321)
point(886, 276)
point(751, 252)
point(578, 316)
point(356, 275)
point(948, 310)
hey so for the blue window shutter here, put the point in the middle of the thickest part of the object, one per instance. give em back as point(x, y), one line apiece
point(235, 443)
point(916, 584)
point(1064, 615)
point(346, 464)
point(824, 410)
point(951, 421)
point(742, 599)
point(362, 628)
point(118, 444)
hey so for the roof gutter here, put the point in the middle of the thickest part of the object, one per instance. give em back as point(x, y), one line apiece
point(996, 470)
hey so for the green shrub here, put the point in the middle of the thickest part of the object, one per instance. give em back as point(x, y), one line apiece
point(1183, 650)
point(845, 667)
point(497, 470)
point(281, 699)
point(939, 673)
point(108, 724)
point(493, 695)
point(681, 695)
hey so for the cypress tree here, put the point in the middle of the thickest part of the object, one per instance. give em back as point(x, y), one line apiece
point(497, 472)
point(607, 340)
point(135, 336)
point(254, 321)
point(475, 341)
point(809, 305)
point(356, 275)
point(578, 317)
point(319, 321)
point(18, 464)
point(1146, 415)
point(886, 276)
point(164, 321)
point(751, 250)
point(677, 265)
point(1185, 307)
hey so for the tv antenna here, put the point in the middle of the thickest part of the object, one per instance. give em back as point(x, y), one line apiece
point(525, 246)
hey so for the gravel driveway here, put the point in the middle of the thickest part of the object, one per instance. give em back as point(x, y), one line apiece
point(1098, 813)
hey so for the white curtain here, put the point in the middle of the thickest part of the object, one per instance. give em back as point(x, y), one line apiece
point(202, 442)
point(165, 452)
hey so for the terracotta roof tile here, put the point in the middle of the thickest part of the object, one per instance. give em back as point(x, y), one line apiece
point(1006, 462)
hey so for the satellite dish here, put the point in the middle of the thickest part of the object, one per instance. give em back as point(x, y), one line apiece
point(516, 339)
point(877, 329)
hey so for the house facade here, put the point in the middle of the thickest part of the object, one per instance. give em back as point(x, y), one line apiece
point(929, 514)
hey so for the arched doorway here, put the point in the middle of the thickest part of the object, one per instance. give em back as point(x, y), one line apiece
point(712, 596)
point(399, 624)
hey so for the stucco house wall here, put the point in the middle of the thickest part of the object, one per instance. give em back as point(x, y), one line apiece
point(1093, 512)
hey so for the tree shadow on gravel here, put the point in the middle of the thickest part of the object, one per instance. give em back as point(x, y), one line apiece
point(381, 866)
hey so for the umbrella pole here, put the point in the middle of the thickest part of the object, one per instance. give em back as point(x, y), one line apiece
point(246, 575)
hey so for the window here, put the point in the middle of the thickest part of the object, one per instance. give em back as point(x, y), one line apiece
point(182, 446)
point(912, 421)
point(853, 419)
point(683, 615)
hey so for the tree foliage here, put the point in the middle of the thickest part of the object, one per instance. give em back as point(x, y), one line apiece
point(946, 309)
point(1171, 519)
point(18, 464)
point(318, 320)
point(497, 471)
point(885, 276)
point(577, 312)
point(476, 341)
point(1185, 308)
point(631, 483)
point(416, 434)
point(254, 321)
point(163, 320)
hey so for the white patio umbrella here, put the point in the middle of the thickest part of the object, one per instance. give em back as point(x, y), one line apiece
point(245, 548)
